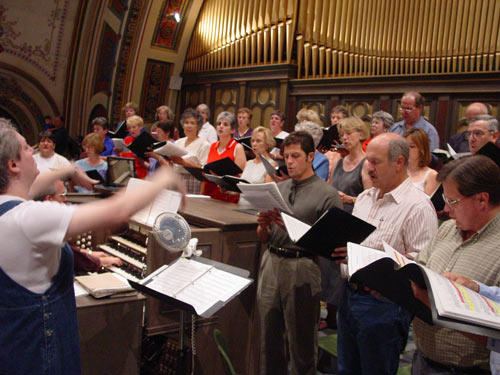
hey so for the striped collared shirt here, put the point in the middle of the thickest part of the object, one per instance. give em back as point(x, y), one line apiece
point(404, 217)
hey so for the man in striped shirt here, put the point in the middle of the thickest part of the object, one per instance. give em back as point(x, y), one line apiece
point(372, 331)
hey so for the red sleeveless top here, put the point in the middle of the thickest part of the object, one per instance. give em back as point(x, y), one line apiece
point(211, 189)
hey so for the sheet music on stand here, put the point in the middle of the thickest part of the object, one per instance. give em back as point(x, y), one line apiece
point(165, 201)
point(201, 286)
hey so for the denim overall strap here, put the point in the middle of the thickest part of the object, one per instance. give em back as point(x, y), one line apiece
point(6, 206)
point(39, 332)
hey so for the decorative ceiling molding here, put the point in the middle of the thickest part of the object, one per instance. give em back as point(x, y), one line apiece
point(168, 30)
point(126, 58)
point(39, 46)
point(11, 71)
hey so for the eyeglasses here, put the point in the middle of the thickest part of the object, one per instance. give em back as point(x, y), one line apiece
point(63, 194)
point(475, 134)
point(452, 202)
point(407, 110)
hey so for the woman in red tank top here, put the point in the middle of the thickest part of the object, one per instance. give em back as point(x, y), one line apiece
point(225, 147)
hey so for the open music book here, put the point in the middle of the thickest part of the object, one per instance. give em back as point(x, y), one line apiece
point(169, 149)
point(221, 167)
point(199, 285)
point(264, 197)
point(120, 144)
point(165, 201)
point(335, 228)
point(452, 305)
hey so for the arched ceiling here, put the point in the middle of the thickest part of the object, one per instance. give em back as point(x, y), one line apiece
point(70, 56)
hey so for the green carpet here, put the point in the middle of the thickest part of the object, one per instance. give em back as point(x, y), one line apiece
point(328, 344)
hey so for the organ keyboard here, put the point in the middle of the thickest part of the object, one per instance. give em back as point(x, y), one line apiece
point(131, 247)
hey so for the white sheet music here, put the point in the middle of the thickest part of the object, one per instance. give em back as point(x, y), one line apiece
point(120, 144)
point(359, 256)
point(456, 301)
point(198, 284)
point(171, 149)
point(178, 276)
point(396, 255)
point(452, 152)
point(165, 201)
point(295, 228)
point(264, 197)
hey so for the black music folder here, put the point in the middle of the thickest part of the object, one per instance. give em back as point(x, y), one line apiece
point(437, 198)
point(245, 142)
point(226, 182)
point(198, 285)
point(93, 174)
point(120, 132)
point(223, 167)
point(330, 138)
point(197, 173)
point(451, 305)
point(273, 171)
point(142, 144)
point(491, 151)
point(335, 228)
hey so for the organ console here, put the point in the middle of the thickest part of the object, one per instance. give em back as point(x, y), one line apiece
point(225, 235)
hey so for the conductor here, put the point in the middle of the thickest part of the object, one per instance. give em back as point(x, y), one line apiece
point(39, 332)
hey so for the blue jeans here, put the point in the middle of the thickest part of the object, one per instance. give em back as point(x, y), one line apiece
point(372, 332)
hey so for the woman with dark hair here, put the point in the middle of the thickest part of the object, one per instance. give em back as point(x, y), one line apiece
point(421, 175)
point(165, 114)
point(226, 146)
point(196, 147)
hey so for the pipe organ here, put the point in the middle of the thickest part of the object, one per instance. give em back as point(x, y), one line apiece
point(349, 38)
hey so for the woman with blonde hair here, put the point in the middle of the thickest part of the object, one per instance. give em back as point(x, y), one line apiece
point(93, 146)
point(418, 169)
point(350, 177)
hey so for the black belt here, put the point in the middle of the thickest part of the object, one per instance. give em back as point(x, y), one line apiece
point(286, 253)
point(476, 370)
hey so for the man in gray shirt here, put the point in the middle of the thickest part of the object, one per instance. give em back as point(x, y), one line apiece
point(289, 285)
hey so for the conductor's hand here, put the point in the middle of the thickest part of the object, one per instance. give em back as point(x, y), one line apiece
point(80, 178)
point(171, 180)
point(340, 255)
point(468, 283)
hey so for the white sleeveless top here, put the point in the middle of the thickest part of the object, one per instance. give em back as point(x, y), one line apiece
point(421, 184)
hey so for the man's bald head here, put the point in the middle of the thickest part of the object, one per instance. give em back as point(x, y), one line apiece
point(387, 157)
point(395, 145)
point(476, 109)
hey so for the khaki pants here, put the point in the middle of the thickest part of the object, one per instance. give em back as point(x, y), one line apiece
point(288, 298)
